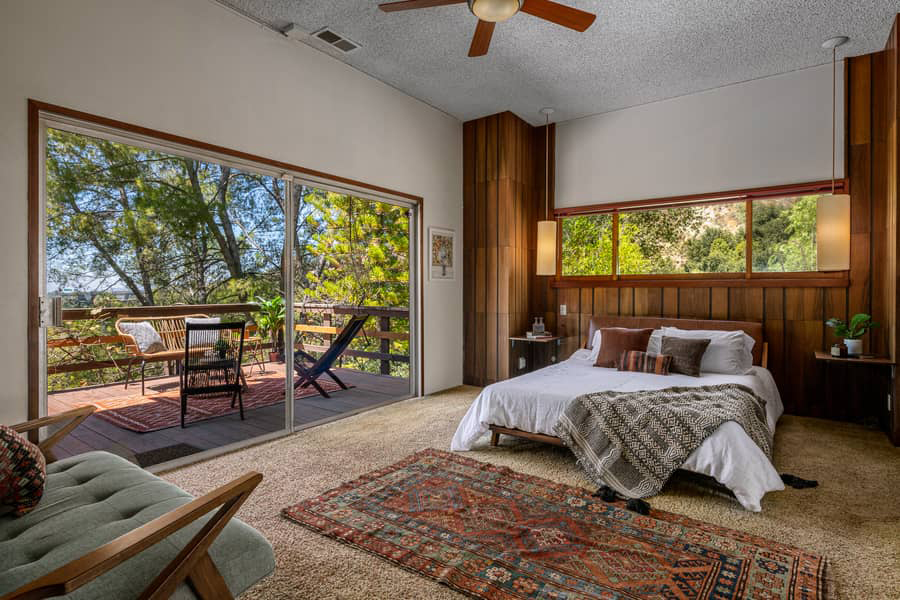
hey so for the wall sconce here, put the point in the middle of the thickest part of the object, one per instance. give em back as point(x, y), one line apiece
point(833, 232)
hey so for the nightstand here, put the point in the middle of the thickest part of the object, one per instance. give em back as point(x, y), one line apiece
point(530, 354)
point(858, 389)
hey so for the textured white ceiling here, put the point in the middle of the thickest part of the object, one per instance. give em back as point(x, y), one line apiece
point(637, 51)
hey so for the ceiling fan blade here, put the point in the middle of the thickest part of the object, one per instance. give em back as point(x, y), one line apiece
point(411, 4)
point(559, 14)
point(481, 41)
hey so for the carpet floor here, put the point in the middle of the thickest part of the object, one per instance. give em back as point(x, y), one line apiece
point(853, 517)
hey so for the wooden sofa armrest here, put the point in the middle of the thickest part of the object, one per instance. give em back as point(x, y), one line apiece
point(74, 418)
point(192, 563)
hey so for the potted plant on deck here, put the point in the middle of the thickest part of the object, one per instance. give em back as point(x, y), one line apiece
point(270, 320)
point(853, 331)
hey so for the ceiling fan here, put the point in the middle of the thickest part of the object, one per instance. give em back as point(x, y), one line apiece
point(491, 12)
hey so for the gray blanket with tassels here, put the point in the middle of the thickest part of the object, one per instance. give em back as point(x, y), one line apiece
point(634, 441)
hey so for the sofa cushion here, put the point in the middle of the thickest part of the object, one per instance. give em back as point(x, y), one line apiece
point(145, 336)
point(93, 498)
point(22, 473)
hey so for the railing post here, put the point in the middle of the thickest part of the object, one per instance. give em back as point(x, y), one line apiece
point(384, 324)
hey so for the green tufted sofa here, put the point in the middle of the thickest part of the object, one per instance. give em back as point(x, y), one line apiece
point(105, 528)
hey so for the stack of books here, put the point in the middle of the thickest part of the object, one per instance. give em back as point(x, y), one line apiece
point(536, 336)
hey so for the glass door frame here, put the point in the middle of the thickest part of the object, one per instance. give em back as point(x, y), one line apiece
point(42, 116)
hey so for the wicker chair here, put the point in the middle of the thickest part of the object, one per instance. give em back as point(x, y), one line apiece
point(172, 332)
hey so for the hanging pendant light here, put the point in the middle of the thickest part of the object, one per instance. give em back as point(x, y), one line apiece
point(546, 229)
point(833, 210)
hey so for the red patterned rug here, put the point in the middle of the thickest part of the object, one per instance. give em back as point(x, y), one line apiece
point(162, 409)
point(493, 533)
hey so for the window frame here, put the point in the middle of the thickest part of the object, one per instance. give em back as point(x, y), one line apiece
point(748, 278)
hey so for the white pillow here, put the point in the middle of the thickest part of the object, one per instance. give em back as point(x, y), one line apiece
point(145, 336)
point(595, 346)
point(197, 337)
point(729, 352)
point(655, 343)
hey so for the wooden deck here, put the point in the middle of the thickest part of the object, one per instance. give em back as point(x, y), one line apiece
point(160, 446)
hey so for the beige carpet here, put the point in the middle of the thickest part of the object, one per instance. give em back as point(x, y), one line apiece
point(853, 517)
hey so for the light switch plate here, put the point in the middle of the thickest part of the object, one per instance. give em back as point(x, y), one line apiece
point(522, 362)
point(562, 310)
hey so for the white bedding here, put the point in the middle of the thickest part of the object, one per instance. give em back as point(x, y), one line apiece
point(534, 402)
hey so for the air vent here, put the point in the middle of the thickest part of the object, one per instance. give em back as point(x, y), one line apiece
point(340, 42)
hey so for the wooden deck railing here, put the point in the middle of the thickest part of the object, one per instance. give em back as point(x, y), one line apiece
point(315, 326)
point(327, 313)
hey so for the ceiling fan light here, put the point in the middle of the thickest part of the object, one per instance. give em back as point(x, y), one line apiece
point(494, 11)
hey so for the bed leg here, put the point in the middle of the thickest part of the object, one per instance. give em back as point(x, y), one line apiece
point(495, 438)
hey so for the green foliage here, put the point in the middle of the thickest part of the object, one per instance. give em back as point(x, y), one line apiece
point(859, 325)
point(587, 241)
point(270, 319)
point(784, 234)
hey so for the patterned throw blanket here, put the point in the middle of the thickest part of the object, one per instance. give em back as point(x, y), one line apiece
point(634, 441)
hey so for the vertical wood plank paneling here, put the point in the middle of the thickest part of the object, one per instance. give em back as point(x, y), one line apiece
point(626, 302)
point(719, 303)
point(670, 302)
point(745, 304)
point(647, 302)
point(694, 303)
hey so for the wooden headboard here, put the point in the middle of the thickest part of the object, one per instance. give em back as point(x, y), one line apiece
point(754, 330)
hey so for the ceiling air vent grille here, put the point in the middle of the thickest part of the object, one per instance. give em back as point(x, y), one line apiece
point(333, 39)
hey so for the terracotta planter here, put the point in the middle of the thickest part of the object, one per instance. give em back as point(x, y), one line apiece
point(274, 357)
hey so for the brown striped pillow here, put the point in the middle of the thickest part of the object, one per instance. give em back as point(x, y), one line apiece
point(644, 362)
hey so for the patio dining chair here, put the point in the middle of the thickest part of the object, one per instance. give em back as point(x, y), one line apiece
point(309, 368)
point(213, 353)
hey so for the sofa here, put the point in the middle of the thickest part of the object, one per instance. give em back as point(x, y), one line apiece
point(105, 528)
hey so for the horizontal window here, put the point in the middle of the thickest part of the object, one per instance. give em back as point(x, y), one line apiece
point(692, 239)
point(700, 238)
point(588, 244)
point(784, 235)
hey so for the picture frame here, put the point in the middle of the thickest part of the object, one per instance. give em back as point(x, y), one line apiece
point(441, 254)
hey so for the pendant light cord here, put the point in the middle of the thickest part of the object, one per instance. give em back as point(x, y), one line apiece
point(547, 170)
point(833, 115)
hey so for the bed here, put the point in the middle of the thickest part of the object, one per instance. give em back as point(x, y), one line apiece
point(530, 405)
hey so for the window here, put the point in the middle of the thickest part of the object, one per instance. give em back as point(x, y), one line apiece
point(696, 235)
point(587, 243)
point(784, 234)
point(692, 239)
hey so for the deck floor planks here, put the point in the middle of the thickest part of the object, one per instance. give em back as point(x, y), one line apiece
point(97, 434)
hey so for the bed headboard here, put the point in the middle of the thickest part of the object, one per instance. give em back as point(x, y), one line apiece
point(754, 330)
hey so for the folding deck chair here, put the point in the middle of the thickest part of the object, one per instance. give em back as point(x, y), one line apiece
point(309, 368)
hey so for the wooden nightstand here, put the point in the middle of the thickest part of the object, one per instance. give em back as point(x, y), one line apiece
point(530, 354)
point(859, 389)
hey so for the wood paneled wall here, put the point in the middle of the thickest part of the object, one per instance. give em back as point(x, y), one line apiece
point(501, 206)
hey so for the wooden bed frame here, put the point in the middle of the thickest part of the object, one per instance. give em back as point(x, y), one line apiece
point(754, 330)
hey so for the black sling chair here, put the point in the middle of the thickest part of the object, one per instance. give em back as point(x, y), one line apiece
point(213, 353)
point(309, 368)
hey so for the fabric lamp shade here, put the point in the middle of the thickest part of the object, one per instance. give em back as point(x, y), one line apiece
point(833, 232)
point(546, 248)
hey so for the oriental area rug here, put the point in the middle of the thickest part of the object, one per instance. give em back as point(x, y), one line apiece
point(490, 532)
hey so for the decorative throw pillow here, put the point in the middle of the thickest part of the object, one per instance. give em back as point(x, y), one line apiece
point(23, 471)
point(686, 354)
point(644, 362)
point(146, 338)
point(616, 340)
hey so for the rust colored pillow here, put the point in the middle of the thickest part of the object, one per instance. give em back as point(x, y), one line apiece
point(23, 471)
point(686, 354)
point(616, 340)
point(643, 362)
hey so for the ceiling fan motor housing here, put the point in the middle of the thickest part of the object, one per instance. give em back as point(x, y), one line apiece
point(495, 11)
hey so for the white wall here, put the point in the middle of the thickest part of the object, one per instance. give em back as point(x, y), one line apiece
point(765, 132)
point(193, 68)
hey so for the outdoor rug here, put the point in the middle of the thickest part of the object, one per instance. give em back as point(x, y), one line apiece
point(161, 410)
point(490, 532)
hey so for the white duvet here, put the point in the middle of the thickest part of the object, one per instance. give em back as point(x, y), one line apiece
point(534, 402)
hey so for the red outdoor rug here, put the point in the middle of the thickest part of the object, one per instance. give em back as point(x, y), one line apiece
point(161, 410)
point(490, 532)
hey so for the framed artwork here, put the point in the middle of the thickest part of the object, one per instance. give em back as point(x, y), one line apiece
point(442, 243)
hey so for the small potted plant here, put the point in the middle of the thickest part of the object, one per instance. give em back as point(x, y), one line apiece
point(221, 348)
point(853, 331)
point(270, 320)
